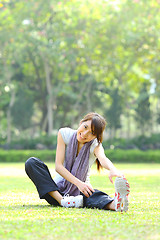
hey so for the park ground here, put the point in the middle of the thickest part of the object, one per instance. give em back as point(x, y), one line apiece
point(23, 216)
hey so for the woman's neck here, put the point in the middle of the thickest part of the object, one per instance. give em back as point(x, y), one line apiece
point(80, 145)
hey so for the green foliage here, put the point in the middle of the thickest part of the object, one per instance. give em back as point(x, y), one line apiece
point(143, 112)
point(152, 142)
point(65, 53)
point(42, 142)
point(117, 155)
point(158, 118)
point(22, 110)
point(140, 142)
point(2, 140)
point(23, 155)
point(133, 156)
point(114, 112)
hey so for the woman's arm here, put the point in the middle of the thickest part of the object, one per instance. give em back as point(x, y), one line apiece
point(106, 163)
point(60, 156)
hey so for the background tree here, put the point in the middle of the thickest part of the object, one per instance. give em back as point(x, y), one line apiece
point(113, 114)
point(66, 55)
point(143, 113)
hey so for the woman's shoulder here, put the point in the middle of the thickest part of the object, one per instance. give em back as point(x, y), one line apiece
point(66, 133)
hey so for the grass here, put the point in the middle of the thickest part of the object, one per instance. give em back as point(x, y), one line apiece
point(23, 216)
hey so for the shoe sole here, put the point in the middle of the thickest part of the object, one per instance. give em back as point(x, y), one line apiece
point(122, 190)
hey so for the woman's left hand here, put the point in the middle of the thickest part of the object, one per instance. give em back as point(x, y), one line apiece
point(114, 173)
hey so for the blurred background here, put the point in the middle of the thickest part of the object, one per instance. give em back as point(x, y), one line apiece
point(60, 60)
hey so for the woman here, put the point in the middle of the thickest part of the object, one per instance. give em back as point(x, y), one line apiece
point(76, 151)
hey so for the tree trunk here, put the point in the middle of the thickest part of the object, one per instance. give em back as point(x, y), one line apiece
point(77, 103)
point(128, 124)
point(89, 104)
point(9, 116)
point(50, 96)
point(8, 125)
point(44, 124)
point(8, 75)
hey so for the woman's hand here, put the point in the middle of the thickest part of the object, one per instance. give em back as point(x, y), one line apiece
point(85, 188)
point(114, 173)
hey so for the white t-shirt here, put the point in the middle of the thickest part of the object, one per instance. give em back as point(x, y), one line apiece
point(66, 135)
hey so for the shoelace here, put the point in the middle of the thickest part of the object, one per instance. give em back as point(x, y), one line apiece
point(66, 195)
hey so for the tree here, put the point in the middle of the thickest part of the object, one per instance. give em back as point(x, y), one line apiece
point(22, 110)
point(114, 112)
point(143, 112)
point(64, 54)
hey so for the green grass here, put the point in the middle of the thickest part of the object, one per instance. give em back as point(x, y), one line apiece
point(24, 216)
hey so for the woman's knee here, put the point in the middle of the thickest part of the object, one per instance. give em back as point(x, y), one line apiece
point(29, 163)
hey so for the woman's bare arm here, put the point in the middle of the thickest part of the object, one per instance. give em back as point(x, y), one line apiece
point(106, 163)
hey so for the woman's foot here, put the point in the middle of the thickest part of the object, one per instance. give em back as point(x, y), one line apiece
point(121, 194)
point(71, 201)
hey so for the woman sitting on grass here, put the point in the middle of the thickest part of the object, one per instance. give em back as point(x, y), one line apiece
point(76, 151)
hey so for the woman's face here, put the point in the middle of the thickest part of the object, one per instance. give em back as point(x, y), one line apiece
point(84, 132)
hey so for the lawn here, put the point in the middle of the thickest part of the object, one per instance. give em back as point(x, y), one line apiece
point(24, 216)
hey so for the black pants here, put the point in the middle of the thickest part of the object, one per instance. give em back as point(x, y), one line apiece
point(39, 174)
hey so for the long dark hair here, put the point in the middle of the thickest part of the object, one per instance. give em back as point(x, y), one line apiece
point(98, 124)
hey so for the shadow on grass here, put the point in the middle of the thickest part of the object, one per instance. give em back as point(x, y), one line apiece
point(26, 206)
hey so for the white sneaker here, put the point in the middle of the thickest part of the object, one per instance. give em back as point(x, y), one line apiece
point(71, 201)
point(121, 194)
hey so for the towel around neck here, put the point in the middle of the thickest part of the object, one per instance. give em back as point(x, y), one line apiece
point(77, 166)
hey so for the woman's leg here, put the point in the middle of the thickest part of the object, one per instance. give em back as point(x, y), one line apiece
point(56, 195)
point(102, 201)
point(39, 174)
point(99, 200)
point(110, 206)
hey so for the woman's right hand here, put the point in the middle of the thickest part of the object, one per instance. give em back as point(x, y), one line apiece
point(85, 188)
